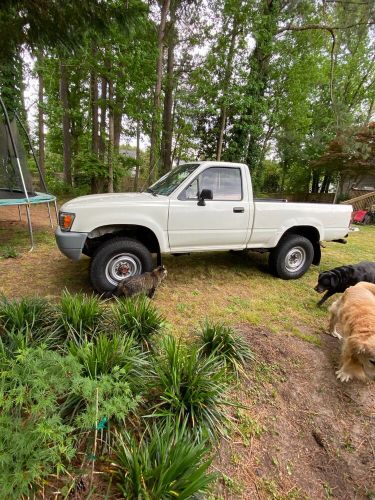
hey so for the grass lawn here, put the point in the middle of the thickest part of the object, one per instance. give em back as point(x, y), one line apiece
point(233, 288)
point(301, 433)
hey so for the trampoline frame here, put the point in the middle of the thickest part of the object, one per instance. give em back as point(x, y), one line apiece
point(27, 200)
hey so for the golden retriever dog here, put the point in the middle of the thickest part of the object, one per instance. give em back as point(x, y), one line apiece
point(353, 319)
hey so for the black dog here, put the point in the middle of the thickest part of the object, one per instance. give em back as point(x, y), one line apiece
point(340, 278)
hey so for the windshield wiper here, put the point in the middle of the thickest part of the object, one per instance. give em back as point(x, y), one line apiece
point(150, 190)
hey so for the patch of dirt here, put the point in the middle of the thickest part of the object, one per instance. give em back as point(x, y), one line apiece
point(318, 438)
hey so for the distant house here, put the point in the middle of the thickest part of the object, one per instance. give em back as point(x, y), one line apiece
point(129, 153)
point(363, 182)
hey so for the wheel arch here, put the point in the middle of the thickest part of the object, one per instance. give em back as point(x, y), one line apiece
point(309, 232)
point(101, 234)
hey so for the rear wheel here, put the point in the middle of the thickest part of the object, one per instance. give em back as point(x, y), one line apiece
point(292, 257)
point(117, 259)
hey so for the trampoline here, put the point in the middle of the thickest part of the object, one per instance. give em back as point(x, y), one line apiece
point(16, 181)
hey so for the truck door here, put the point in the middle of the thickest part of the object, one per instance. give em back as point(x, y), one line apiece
point(218, 223)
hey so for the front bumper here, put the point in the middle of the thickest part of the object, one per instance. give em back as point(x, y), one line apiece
point(70, 243)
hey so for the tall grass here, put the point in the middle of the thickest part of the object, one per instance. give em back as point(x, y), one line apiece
point(79, 316)
point(25, 314)
point(26, 322)
point(190, 388)
point(223, 343)
point(163, 464)
point(103, 355)
point(138, 317)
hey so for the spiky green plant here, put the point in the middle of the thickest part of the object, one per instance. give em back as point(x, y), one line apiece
point(79, 316)
point(222, 342)
point(28, 313)
point(26, 322)
point(190, 388)
point(163, 464)
point(138, 317)
point(104, 354)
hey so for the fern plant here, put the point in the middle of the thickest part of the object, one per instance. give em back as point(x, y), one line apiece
point(221, 341)
point(113, 375)
point(163, 464)
point(190, 388)
point(34, 441)
point(140, 318)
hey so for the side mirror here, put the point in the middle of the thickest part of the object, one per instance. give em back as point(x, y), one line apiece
point(205, 194)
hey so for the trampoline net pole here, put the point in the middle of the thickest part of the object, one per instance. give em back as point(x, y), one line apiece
point(30, 227)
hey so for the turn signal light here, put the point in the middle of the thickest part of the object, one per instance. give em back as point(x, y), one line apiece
point(66, 221)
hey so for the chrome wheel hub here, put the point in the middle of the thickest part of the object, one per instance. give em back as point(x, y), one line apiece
point(295, 259)
point(122, 266)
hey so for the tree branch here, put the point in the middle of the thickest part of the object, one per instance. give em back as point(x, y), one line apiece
point(325, 27)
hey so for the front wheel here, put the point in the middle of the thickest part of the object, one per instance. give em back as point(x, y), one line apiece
point(115, 260)
point(292, 257)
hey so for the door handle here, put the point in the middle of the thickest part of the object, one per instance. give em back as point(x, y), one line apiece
point(238, 210)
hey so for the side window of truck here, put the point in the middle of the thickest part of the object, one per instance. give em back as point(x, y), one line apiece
point(225, 183)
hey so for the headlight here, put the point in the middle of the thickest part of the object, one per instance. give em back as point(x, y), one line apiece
point(66, 220)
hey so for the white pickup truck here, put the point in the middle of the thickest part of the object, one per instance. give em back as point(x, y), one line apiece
point(196, 207)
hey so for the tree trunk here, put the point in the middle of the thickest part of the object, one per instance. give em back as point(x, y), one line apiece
point(248, 130)
point(94, 114)
point(67, 146)
point(103, 111)
point(155, 126)
point(117, 119)
point(167, 135)
point(111, 136)
point(41, 136)
point(226, 82)
point(315, 182)
point(325, 184)
point(138, 156)
point(94, 122)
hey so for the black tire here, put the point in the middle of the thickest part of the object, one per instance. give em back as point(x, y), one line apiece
point(292, 257)
point(134, 254)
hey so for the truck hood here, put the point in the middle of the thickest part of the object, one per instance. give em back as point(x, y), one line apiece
point(112, 200)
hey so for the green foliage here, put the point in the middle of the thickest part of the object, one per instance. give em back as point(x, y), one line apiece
point(190, 388)
point(79, 315)
point(113, 375)
point(32, 448)
point(26, 322)
point(9, 253)
point(105, 354)
point(26, 313)
point(139, 318)
point(162, 464)
point(221, 342)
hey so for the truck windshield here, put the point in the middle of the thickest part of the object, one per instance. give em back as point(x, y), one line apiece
point(169, 182)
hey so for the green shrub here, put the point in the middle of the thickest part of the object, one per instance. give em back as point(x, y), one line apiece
point(26, 322)
point(113, 374)
point(230, 350)
point(163, 464)
point(9, 253)
point(34, 442)
point(103, 355)
point(138, 317)
point(79, 316)
point(190, 388)
point(25, 314)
